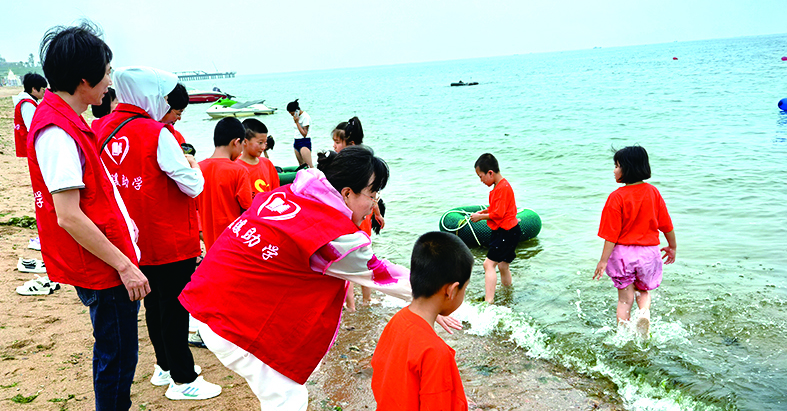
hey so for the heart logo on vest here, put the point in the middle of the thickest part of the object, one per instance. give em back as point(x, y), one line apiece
point(277, 207)
point(117, 149)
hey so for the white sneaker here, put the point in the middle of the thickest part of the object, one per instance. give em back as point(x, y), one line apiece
point(34, 244)
point(161, 377)
point(195, 340)
point(30, 265)
point(37, 286)
point(199, 389)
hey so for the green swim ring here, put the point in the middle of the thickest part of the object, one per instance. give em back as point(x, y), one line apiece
point(478, 234)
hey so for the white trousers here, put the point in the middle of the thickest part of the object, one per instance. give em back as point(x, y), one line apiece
point(274, 390)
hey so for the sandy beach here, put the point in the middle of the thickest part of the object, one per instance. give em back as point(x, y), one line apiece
point(46, 343)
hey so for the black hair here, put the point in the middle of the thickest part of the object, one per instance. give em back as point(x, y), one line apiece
point(438, 259)
point(293, 105)
point(353, 167)
point(340, 131)
point(353, 132)
point(106, 104)
point(253, 126)
point(70, 54)
point(634, 164)
point(487, 162)
point(33, 81)
point(271, 142)
point(227, 129)
point(178, 98)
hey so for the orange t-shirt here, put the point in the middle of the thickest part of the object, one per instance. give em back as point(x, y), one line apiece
point(263, 176)
point(414, 369)
point(225, 196)
point(634, 215)
point(502, 207)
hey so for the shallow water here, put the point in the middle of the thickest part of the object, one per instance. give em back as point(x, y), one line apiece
point(717, 144)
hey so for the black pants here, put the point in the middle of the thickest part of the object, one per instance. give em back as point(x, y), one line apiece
point(168, 321)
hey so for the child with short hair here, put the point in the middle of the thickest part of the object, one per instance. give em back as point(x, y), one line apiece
point(630, 223)
point(414, 369)
point(262, 173)
point(502, 220)
point(227, 190)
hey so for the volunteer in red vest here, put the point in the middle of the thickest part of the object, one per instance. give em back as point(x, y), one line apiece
point(270, 291)
point(87, 237)
point(25, 104)
point(158, 184)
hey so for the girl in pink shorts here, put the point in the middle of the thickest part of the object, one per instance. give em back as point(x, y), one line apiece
point(630, 224)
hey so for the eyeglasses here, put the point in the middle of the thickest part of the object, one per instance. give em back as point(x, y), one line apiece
point(375, 197)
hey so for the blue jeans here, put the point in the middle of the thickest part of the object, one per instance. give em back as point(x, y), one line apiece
point(116, 347)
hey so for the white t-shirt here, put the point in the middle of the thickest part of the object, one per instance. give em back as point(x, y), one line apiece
point(304, 120)
point(27, 109)
point(62, 166)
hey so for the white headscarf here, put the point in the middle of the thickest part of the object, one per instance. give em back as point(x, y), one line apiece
point(144, 87)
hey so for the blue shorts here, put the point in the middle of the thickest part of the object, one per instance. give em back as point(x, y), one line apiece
point(502, 245)
point(302, 142)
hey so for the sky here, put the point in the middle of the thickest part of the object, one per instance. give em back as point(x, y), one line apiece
point(262, 36)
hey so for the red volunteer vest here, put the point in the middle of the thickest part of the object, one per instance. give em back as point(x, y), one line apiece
point(165, 216)
point(256, 289)
point(20, 130)
point(66, 261)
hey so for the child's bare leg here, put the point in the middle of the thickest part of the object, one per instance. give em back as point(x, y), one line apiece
point(505, 274)
point(367, 295)
point(643, 300)
point(298, 157)
point(625, 300)
point(350, 299)
point(490, 280)
point(306, 155)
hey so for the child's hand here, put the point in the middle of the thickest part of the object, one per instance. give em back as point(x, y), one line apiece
point(449, 322)
point(669, 255)
point(475, 217)
point(601, 267)
point(192, 161)
point(380, 220)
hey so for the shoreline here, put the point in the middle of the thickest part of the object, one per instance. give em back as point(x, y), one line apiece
point(46, 343)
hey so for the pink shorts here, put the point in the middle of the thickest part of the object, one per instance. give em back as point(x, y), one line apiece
point(635, 264)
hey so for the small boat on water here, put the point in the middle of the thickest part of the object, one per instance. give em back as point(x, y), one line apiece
point(231, 108)
point(462, 83)
point(202, 96)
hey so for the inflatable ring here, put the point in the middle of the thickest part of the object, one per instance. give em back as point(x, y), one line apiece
point(478, 234)
point(783, 104)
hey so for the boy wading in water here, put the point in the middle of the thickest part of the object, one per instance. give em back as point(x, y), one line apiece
point(502, 220)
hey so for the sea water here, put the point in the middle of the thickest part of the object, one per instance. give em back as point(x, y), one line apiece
point(718, 147)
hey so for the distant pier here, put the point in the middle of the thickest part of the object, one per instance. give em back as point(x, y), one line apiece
point(201, 75)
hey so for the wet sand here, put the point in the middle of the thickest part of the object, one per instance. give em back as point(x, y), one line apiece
point(46, 343)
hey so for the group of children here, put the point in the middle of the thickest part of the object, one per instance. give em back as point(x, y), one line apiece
point(413, 367)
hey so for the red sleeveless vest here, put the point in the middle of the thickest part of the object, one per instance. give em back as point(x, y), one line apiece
point(165, 216)
point(20, 130)
point(256, 289)
point(66, 260)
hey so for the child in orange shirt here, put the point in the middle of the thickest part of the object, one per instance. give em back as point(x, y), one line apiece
point(262, 173)
point(501, 218)
point(227, 192)
point(630, 224)
point(414, 369)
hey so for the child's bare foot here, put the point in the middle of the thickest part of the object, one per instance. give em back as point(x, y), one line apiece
point(643, 327)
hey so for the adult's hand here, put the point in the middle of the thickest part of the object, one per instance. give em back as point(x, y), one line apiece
point(135, 282)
